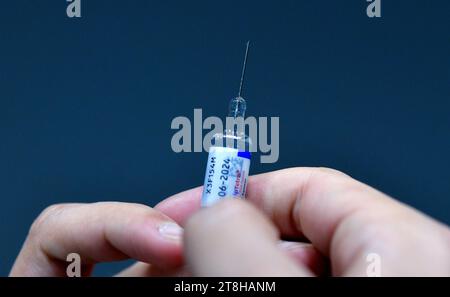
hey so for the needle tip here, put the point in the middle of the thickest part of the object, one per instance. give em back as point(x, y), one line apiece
point(243, 69)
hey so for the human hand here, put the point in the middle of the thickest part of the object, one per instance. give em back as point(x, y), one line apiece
point(112, 231)
point(343, 219)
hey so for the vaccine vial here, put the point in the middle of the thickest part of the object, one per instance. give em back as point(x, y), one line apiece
point(229, 158)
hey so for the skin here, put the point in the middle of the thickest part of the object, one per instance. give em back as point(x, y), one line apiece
point(331, 221)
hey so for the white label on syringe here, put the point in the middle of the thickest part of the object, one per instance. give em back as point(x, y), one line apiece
point(226, 174)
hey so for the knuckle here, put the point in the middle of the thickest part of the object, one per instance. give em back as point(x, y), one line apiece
point(340, 181)
point(39, 223)
point(323, 173)
point(136, 212)
point(330, 172)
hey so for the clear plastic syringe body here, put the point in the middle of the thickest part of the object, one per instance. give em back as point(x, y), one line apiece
point(229, 159)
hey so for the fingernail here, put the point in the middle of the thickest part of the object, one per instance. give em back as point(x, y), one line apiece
point(171, 231)
point(290, 245)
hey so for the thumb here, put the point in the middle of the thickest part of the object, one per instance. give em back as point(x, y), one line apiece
point(233, 238)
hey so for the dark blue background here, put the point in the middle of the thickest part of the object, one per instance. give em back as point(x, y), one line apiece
point(86, 104)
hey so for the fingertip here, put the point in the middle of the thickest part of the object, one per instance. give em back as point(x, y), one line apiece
point(147, 235)
point(232, 238)
point(227, 211)
point(181, 206)
point(160, 243)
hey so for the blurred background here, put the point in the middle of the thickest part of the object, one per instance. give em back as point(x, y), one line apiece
point(86, 104)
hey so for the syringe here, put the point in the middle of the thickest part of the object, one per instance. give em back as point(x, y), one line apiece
point(229, 156)
point(238, 106)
